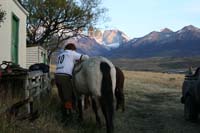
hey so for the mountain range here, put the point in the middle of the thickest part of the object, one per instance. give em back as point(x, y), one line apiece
point(98, 43)
point(165, 43)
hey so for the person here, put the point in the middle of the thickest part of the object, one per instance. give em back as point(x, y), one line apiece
point(63, 74)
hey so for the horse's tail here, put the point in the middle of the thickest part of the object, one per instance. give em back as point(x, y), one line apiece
point(107, 96)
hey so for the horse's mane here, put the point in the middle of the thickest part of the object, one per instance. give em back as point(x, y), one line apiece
point(77, 67)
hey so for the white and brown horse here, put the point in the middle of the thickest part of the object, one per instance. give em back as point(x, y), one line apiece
point(96, 77)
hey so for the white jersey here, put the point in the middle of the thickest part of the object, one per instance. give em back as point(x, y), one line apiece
point(65, 61)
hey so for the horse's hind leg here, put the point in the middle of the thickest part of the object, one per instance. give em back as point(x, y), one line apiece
point(123, 102)
point(108, 112)
point(95, 109)
point(80, 108)
point(117, 95)
point(120, 99)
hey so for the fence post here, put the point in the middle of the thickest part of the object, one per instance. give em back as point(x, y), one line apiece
point(39, 81)
point(27, 93)
point(36, 82)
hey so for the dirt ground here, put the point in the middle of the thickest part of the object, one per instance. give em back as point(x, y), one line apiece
point(153, 105)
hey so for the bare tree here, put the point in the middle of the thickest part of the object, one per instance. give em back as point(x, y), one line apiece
point(59, 20)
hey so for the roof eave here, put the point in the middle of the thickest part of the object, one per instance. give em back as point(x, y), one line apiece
point(21, 7)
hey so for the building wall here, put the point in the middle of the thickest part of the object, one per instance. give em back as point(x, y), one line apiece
point(41, 53)
point(35, 54)
point(31, 56)
point(12, 7)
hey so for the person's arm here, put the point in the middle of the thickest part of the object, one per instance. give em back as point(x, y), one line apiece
point(84, 57)
point(78, 56)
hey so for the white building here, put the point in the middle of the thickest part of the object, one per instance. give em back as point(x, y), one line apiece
point(13, 33)
point(35, 54)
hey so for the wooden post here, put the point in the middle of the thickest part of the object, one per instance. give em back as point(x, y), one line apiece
point(39, 86)
point(27, 93)
point(36, 82)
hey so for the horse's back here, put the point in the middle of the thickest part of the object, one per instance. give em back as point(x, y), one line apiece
point(96, 61)
point(90, 76)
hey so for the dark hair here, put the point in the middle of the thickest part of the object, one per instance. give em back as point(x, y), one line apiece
point(70, 46)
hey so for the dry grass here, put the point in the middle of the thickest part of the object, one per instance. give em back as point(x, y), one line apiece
point(152, 106)
point(161, 79)
point(157, 64)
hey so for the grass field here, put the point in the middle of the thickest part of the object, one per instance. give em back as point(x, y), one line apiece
point(158, 64)
point(152, 106)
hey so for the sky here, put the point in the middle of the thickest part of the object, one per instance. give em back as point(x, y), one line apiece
point(137, 18)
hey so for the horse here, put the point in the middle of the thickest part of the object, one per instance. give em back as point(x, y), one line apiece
point(96, 78)
point(119, 94)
